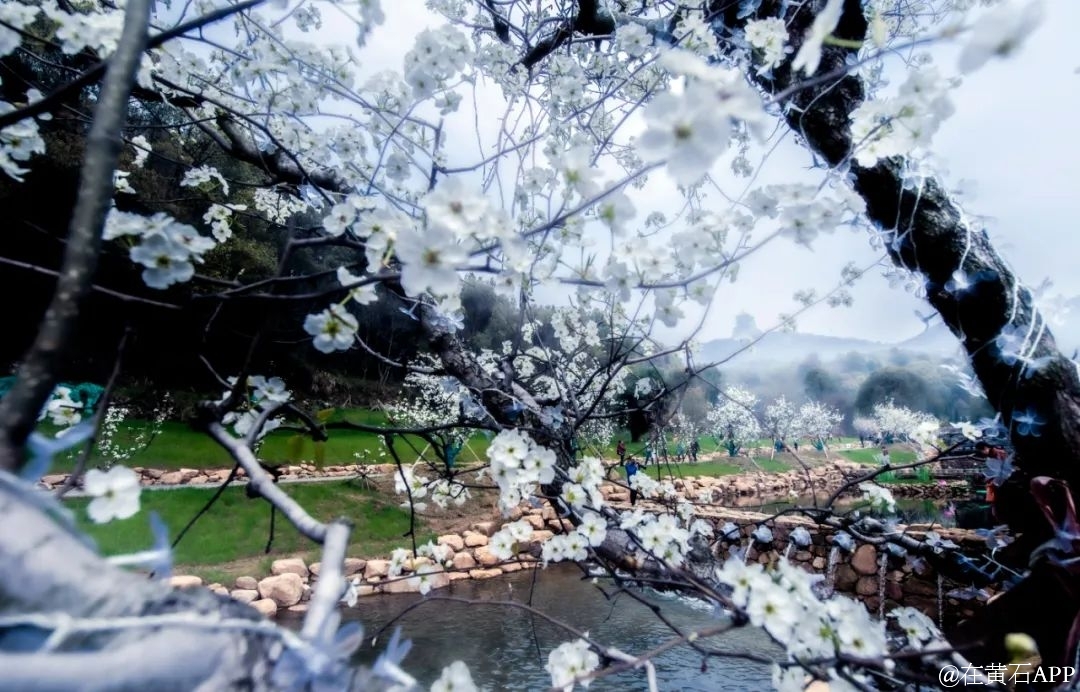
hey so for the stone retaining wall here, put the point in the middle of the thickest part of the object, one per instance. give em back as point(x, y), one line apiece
point(859, 574)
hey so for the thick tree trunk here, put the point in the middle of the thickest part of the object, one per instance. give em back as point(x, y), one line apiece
point(926, 232)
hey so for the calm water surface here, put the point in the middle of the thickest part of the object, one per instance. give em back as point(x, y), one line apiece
point(506, 648)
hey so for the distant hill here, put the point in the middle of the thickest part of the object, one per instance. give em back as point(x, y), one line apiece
point(789, 348)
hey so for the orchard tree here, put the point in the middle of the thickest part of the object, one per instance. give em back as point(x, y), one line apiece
point(780, 423)
point(371, 181)
point(900, 424)
point(818, 422)
point(733, 422)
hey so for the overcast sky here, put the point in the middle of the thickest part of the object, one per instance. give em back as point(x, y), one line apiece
point(1012, 146)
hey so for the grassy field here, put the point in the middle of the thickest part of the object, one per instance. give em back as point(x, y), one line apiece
point(231, 537)
point(724, 467)
point(178, 446)
point(869, 456)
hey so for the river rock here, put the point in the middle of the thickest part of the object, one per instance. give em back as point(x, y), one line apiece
point(864, 561)
point(185, 581)
point(845, 578)
point(354, 565)
point(377, 568)
point(819, 563)
point(535, 521)
point(289, 565)
point(244, 595)
point(538, 538)
point(265, 606)
point(283, 589)
point(867, 586)
point(485, 573)
point(219, 589)
point(247, 583)
point(475, 540)
point(172, 478)
point(453, 541)
point(485, 527)
point(409, 585)
point(299, 608)
point(464, 560)
point(485, 557)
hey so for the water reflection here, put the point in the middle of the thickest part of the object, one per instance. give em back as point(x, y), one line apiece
point(908, 510)
point(506, 648)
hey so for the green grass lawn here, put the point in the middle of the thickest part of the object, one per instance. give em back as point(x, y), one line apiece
point(869, 456)
point(231, 537)
point(724, 467)
point(178, 446)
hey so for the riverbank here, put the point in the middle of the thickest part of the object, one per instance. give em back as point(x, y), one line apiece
point(881, 582)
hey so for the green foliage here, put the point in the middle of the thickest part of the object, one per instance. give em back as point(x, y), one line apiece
point(869, 456)
point(902, 386)
point(237, 527)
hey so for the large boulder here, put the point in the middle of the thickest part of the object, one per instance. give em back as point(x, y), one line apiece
point(283, 589)
point(289, 565)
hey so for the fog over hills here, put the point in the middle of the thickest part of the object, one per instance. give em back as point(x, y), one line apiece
point(788, 348)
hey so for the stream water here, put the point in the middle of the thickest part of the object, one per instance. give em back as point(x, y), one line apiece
point(506, 648)
point(908, 510)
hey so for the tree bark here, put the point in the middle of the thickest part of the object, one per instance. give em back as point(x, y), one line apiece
point(926, 232)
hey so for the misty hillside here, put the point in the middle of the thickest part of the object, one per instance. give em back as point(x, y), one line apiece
point(784, 348)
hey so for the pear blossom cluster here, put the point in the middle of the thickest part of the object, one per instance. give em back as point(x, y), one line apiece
point(167, 249)
point(509, 539)
point(518, 464)
point(408, 481)
point(437, 56)
point(569, 661)
point(115, 494)
point(784, 603)
point(901, 125)
point(259, 395)
point(110, 443)
point(880, 498)
point(660, 535)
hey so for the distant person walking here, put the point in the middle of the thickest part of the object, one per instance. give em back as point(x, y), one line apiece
point(631, 471)
point(884, 458)
point(694, 449)
point(620, 449)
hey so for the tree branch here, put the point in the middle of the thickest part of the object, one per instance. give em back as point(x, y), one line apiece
point(37, 376)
